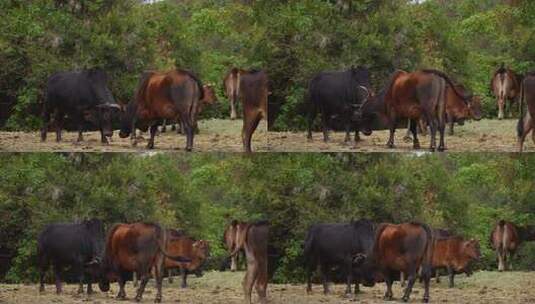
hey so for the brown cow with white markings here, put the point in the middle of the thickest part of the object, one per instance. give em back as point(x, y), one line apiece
point(505, 85)
point(505, 238)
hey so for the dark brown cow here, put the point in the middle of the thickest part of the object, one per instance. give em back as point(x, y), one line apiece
point(505, 85)
point(526, 122)
point(209, 99)
point(252, 89)
point(231, 83)
point(455, 254)
point(414, 96)
point(505, 238)
point(136, 248)
point(185, 246)
point(163, 95)
point(254, 239)
point(403, 248)
point(232, 240)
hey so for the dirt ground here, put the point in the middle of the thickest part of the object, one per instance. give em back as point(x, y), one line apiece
point(215, 135)
point(475, 136)
point(224, 287)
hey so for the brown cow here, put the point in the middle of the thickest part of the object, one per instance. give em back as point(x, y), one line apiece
point(254, 239)
point(231, 83)
point(231, 238)
point(252, 88)
point(182, 245)
point(209, 99)
point(505, 238)
point(526, 122)
point(417, 95)
point(139, 248)
point(163, 95)
point(505, 85)
point(402, 248)
point(455, 254)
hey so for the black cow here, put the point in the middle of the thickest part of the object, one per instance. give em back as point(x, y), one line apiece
point(343, 245)
point(83, 96)
point(339, 96)
point(79, 246)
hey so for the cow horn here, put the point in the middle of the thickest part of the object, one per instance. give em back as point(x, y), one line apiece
point(367, 91)
point(111, 105)
point(94, 261)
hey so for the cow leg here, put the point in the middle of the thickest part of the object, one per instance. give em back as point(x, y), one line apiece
point(43, 266)
point(309, 271)
point(153, 131)
point(80, 272)
point(250, 278)
point(135, 279)
point(158, 275)
point(262, 281)
point(510, 257)
point(501, 258)
point(324, 278)
point(388, 280)
point(188, 129)
point(427, 283)
point(122, 281)
point(392, 127)
point(89, 288)
point(451, 275)
point(57, 276)
point(164, 126)
point(402, 279)
point(450, 123)
point(441, 130)
point(348, 133)
point(310, 121)
point(437, 275)
point(81, 129)
point(233, 114)
point(349, 278)
point(411, 279)
point(324, 127)
point(407, 138)
point(414, 131)
point(58, 117)
point(234, 263)
point(46, 120)
point(433, 128)
point(144, 280)
point(250, 123)
point(170, 273)
point(184, 275)
point(357, 286)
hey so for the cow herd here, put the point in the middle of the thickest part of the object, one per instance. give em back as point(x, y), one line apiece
point(177, 96)
point(363, 252)
point(425, 98)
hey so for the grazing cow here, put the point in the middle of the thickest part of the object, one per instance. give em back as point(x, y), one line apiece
point(182, 245)
point(163, 95)
point(231, 83)
point(403, 248)
point(79, 246)
point(209, 99)
point(343, 245)
point(455, 254)
point(526, 122)
point(339, 96)
point(414, 96)
point(254, 238)
point(505, 238)
point(139, 248)
point(83, 96)
point(231, 238)
point(505, 85)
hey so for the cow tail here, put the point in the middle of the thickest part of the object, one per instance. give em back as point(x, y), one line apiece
point(520, 125)
point(428, 253)
point(450, 83)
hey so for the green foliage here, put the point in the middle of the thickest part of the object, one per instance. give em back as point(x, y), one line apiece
point(202, 193)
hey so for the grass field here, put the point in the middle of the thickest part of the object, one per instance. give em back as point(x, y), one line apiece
point(215, 135)
point(224, 287)
point(487, 135)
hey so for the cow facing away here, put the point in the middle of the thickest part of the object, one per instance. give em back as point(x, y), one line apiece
point(401, 248)
point(79, 246)
point(339, 96)
point(505, 85)
point(139, 248)
point(526, 122)
point(231, 84)
point(253, 94)
point(231, 237)
point(343, 245)
point(163, 95)
point(209, 99)
point(83, 96)
point(456, 255)
point(505, 239)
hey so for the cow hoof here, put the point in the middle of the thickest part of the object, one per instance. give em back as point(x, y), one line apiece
point(188, 149)
point(441, 149)
point(425, 300)
point(390, 146)
point(388, 298)
point(405, 299)
point(431, 149)
point(416, 146)
point(138, 299)
point(158, 300)
point(150, 146)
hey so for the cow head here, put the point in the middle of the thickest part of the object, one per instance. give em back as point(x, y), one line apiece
point(127, 119)
point(474, 108)
point(365, 269)
point(201, 251)
point(210, 96)
point(95, 266)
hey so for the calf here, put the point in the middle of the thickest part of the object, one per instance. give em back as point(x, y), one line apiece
point(79, 246)
point(196, 251)
point(344, 245)
point(139, 248)
point(506, 237)
point(455, 254)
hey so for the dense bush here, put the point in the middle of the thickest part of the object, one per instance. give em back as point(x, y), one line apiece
point(202, 193)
